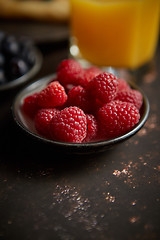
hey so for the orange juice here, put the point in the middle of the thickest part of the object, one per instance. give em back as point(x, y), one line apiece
point(117, 33)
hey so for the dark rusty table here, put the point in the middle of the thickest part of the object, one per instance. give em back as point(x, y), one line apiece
point(113, 195)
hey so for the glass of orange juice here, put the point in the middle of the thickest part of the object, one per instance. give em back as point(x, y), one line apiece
point(114, 33)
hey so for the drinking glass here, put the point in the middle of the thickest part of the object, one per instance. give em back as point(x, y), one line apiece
point(114, 34)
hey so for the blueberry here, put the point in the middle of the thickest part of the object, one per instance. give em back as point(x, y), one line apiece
point(10, 46)
point(28, 53)
point(17, 56)
point(17, 68)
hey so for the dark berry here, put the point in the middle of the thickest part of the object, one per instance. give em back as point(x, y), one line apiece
point(17, 68)
point(10, 46)
point(28, 53)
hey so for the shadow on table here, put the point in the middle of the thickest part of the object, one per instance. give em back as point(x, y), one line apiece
point(20, 151)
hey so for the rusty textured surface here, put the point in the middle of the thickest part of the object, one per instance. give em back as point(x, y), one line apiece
point(113, 195)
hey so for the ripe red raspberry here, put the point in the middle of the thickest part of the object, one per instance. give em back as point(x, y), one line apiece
point(122, 84)
point(103, 87)
point(78, 96)
point(87, 75)
point(53, 95)
point(42, 120)
point(70, 125)
point(30, 105)
point(132, 96)
point(94, 106)
point(92, 128)
point(117, 118)
point(68, 71)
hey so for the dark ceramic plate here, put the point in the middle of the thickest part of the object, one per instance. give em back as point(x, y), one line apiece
point(26, 77)
point(76, 148)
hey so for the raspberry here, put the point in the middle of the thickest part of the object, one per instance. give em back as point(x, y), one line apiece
point(53, 95)
point(117, 118)
point(92, 128)
point(70, 125)
point(68, 71)
point(123, 85)
point(132, 96)
point(103, 87)
point(78, 96)
point(30, 105)
point(87, 75)
point(42, 120)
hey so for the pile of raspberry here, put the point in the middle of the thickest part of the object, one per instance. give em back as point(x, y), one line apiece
point(83, 105)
